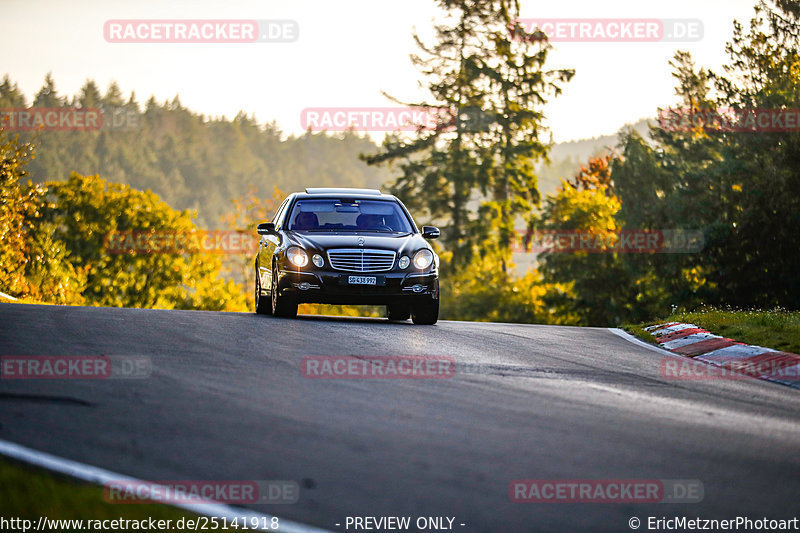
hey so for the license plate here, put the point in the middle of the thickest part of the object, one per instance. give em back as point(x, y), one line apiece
point(362, 280)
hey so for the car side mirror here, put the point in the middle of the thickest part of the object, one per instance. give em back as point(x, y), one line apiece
point(267, 228)
point(430, 232)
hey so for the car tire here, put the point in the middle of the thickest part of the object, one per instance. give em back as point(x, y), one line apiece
point(425, 313)
point(398, 312)
point(263, 305)
point(282, 306)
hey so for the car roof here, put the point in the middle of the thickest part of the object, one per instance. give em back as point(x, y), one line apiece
point(333, 192)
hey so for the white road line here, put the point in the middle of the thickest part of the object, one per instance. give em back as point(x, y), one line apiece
point(99, 476)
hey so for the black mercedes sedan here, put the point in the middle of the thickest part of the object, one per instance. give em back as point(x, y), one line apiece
point(347, 246)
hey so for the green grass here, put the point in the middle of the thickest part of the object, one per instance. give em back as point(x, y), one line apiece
point(637, 330)
point(777, 329)
point(28, 493)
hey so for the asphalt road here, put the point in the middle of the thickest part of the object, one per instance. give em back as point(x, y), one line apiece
point(226, 400)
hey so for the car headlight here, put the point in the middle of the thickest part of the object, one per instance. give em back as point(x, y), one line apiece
point(423, 259)
point(317, 260)
point(403, 263)
point(297, 256)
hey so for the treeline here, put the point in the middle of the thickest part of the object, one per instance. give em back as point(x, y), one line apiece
point(737, 187)
point(189, 160)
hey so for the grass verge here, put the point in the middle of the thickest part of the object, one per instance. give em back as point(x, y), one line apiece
point(28, 492)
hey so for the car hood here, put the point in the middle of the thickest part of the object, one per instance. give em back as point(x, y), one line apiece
point(408, 243)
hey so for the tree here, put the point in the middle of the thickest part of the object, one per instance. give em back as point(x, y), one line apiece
point(740, 188)
point(113, 97)
point(86, 210)
point(10, 95)
point(89, 95)
point(440, 167)
point(14, 207)
point(47, 95)
point(599, 288)
point(519, 86)
point(33, 265)
point(477, 68)
point(756, 262)
point(596, 174)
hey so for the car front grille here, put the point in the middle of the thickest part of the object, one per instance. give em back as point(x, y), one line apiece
point(358, 260)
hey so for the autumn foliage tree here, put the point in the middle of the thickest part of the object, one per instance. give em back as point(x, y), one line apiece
point(33, 264)
point(85, 210)
point(54, 244)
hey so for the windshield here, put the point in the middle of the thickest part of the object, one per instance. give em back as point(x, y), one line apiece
point(380, 216)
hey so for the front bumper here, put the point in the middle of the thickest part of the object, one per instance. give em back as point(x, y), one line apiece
point(330, 286)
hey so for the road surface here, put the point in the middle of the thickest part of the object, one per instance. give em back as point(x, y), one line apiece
point(227, 401)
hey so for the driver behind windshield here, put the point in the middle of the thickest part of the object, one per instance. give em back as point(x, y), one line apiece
point(369, 222)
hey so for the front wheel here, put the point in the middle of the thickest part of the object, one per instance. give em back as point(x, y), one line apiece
point(425, 313)
point(283, 306)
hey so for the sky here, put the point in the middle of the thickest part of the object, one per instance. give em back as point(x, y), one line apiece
point(346, 54)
